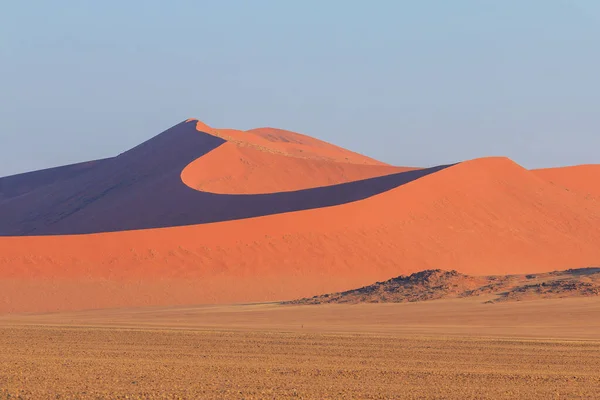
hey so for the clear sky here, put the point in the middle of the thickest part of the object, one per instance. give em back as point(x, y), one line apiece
point(407, 82)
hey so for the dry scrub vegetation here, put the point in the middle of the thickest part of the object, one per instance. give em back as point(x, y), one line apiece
point(97, 363)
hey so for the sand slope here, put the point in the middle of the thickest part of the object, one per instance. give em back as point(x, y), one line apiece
point(142, 188)
point(232, 169)
point(269, 160)
point(583, 179)
point(279, 141)
point(17, 185)
point(481, 217)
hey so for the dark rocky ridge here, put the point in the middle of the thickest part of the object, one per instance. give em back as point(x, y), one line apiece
point(439, 284)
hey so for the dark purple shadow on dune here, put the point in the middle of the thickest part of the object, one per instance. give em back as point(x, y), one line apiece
point(142, 189)
point(16, 185)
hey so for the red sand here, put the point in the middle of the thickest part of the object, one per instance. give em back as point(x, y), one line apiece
point(288, 143)
point(268, 160)
point(245, 170)
point(481, 217)
point(583, 179)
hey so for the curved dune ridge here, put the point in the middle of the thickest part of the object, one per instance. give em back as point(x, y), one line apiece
point(268, 160)
point(279, 141)
point(143, 188)
point(233, 169)
point(480, 217)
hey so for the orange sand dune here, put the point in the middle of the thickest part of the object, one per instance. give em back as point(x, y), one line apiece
point(298, 145)
point(268, 160)
point(245, 170)
point(481, 217)
point(287, 143)
point(583, 179)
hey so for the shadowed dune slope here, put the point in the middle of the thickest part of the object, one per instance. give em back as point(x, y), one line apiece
point(481, 217)
point(583, 179)
point(143, 189)
point(16, 185)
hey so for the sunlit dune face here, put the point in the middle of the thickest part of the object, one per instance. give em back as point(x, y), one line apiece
point(268, 160)
point(232, 169)
point(277, 141)
point(583, 179)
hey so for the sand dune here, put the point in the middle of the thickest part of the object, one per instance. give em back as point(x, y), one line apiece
point(142, 188)
point(269, 160)
point(583, 179)
point(481, 217)
point(231, 169)
point(279, 141)
point(17, 185)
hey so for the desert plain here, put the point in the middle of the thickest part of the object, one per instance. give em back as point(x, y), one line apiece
point(445, 349)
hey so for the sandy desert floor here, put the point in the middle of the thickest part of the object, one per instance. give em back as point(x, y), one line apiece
point(458, 349)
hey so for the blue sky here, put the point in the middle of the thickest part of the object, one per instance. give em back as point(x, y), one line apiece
point(408, 82)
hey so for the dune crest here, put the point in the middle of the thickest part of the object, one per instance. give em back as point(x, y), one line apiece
point(291, 144)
